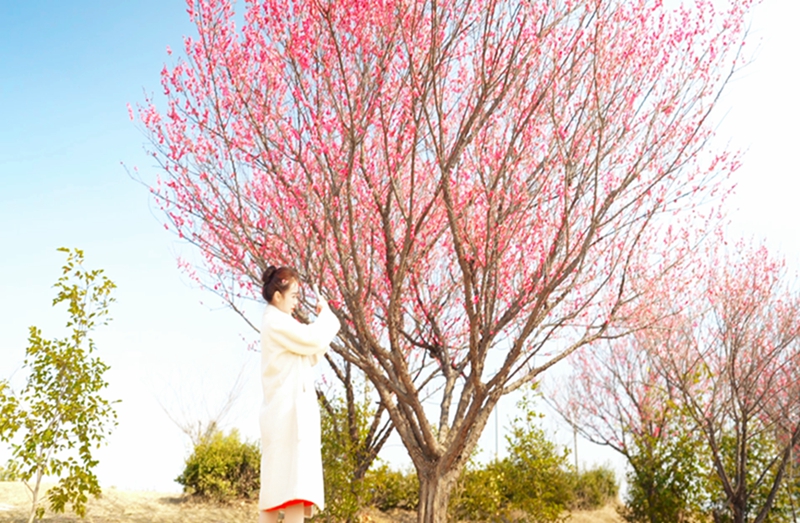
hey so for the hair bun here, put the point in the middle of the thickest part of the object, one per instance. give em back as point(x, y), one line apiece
point(277, 280)
point(269, 272)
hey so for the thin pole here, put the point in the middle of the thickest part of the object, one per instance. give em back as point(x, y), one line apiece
point(575, 444)
point(496, 430)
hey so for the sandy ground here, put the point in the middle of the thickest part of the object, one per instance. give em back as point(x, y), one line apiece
point(146, 507)
point(607, 514)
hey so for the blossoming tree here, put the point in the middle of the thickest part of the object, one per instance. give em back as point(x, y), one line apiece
point(737, 370)
point(615, 397)
point(472, 183)
point(725, 365)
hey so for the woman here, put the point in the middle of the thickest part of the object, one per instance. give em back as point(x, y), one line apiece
point(291, 460)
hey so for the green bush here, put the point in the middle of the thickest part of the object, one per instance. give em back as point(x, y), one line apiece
point(665, 480)
point(481, 494)
point(222, 468)
point(593, 488)
point(536, 474)
point(533, 483)
point(344, 492)
point(389, 489)
point(505, 491)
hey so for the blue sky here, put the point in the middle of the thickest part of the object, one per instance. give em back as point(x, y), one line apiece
point(67, 71)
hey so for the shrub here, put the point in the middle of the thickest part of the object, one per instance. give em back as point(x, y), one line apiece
point(481, 494)
point(532, 484)
point(347, 451)
point(343, 492)
point(663, 480)
point(389, 489)
point(498, 491)
point(535, 475)
point(222, 468)
point(593, 488)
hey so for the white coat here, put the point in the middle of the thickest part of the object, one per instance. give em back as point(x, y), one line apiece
point(291, 458)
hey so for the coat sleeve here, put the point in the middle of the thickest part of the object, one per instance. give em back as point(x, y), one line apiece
point(306, 339)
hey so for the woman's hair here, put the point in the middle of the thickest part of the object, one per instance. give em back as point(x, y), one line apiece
point(277, 279)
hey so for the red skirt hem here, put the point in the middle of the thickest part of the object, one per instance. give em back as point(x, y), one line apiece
point(305, 503)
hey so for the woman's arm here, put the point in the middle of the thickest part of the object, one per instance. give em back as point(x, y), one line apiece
point(304, 339)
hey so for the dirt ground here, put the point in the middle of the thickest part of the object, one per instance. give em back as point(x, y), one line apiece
point(117, 506)
point(607, 514)
point(125, 506)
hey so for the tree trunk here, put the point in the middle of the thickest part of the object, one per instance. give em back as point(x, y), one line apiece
point(35, 494)
point(32, 515)
point(435, 486)
point(738, 511)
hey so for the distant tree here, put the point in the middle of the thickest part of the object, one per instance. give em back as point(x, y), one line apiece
point(711, 390)
point(476, 185)
point(56, 421)
point(736, 368)
point(616, 398)
point(666, 479)
point(193, 416)
point(761, 467)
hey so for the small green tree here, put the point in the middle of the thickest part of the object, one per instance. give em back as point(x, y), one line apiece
point(55, 422)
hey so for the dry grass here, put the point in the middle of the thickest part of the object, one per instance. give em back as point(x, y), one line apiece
point(607, 514)
point(129, 507)
point(118, 506)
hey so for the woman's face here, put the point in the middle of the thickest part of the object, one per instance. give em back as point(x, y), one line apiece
point(287, 302)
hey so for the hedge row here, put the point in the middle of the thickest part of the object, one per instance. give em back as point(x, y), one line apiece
point(534, 483)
